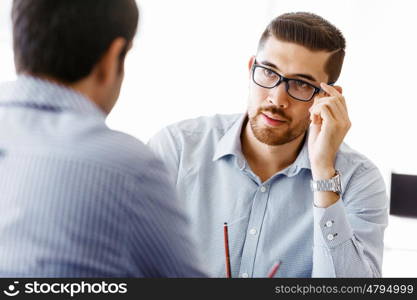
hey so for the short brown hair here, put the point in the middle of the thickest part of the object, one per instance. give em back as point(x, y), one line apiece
point(314, 33)
point(64, 39)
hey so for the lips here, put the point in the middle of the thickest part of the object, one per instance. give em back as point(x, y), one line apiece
point(272, 122)
point(274, 118)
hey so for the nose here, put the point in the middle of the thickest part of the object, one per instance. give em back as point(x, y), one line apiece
point(278, 96)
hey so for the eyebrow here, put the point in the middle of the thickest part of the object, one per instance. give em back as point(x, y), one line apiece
point(306, 76)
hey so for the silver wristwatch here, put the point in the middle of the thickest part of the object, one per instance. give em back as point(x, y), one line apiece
point(333, 184)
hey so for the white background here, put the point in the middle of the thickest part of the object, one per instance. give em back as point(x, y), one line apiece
point(190, 59)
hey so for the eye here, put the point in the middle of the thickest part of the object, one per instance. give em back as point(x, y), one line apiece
point(301, 84)
point(269, 73)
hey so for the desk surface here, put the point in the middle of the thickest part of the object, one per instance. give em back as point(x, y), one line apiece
point(400, 253)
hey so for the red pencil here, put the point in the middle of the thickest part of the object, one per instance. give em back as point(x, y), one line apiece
point(274, 269)
point(226, 248)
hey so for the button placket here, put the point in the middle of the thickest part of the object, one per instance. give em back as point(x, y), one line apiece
point(254, 225)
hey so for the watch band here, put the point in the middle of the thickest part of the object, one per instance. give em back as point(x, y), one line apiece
point(333, 184)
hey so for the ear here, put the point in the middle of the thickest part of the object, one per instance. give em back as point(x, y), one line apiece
point(250, 64)
point(338, 88)
point(109, 66)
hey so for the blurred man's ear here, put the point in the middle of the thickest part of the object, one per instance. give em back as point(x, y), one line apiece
point(111, 63)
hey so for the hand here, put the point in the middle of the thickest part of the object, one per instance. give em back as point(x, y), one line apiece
point(329, 126)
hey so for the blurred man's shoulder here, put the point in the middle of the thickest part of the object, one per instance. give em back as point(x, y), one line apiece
point(112, 149)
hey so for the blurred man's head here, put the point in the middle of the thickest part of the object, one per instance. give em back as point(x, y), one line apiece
point(306, 50)
point(79, 43)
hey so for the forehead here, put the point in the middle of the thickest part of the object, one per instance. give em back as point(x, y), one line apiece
point(291, 58)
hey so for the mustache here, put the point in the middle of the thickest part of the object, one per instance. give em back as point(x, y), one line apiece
point(275, 111)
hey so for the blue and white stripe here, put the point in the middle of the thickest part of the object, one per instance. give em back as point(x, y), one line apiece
point(78, 199)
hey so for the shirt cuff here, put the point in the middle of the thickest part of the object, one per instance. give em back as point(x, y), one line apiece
point(331, 225)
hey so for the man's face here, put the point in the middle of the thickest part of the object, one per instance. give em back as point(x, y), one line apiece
point(275, 117)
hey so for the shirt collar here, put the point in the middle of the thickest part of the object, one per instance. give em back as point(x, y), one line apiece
point(37, 92)
point(302, 161)
point(230, 144)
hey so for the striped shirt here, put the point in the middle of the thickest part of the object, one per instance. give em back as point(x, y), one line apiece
point(78, 199)
point(274, 220)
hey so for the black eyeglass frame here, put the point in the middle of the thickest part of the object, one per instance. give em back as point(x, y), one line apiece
point(285, 80)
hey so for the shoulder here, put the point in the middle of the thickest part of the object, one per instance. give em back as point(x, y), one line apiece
point(95, 143)
point(202, 126)
point(191, 133)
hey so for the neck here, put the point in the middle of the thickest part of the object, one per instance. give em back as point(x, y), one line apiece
point(83, 86)
point(266, 160)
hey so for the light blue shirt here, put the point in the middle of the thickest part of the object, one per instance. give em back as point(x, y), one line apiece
point(78, 199)
point(275, 220)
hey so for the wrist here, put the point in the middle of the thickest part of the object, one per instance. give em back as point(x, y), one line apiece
point(325, 199)
point(323, 173)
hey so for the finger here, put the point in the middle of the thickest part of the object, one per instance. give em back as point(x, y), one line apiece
point(335, 91)
point(315, 120)
point(338, 118)
point(326, 115)
point(332, 91)
point(340, 101)
point(319, 110)
point(336, 106)
point(313, 117)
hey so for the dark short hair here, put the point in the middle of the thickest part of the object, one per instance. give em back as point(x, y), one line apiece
point(314, 33)
point(65, 39)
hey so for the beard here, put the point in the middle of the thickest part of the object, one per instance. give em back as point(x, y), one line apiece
point(280, 135)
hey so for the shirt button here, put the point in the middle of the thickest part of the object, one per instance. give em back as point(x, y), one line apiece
point(263, 189)
point(253, 231)
point(330, 237)
point(329, 224)
point(245, 275)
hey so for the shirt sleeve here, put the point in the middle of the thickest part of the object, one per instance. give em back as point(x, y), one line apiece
point(165, 146)
point(348, 235)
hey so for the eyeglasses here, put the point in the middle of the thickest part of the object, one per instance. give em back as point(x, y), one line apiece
point(297, 89)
